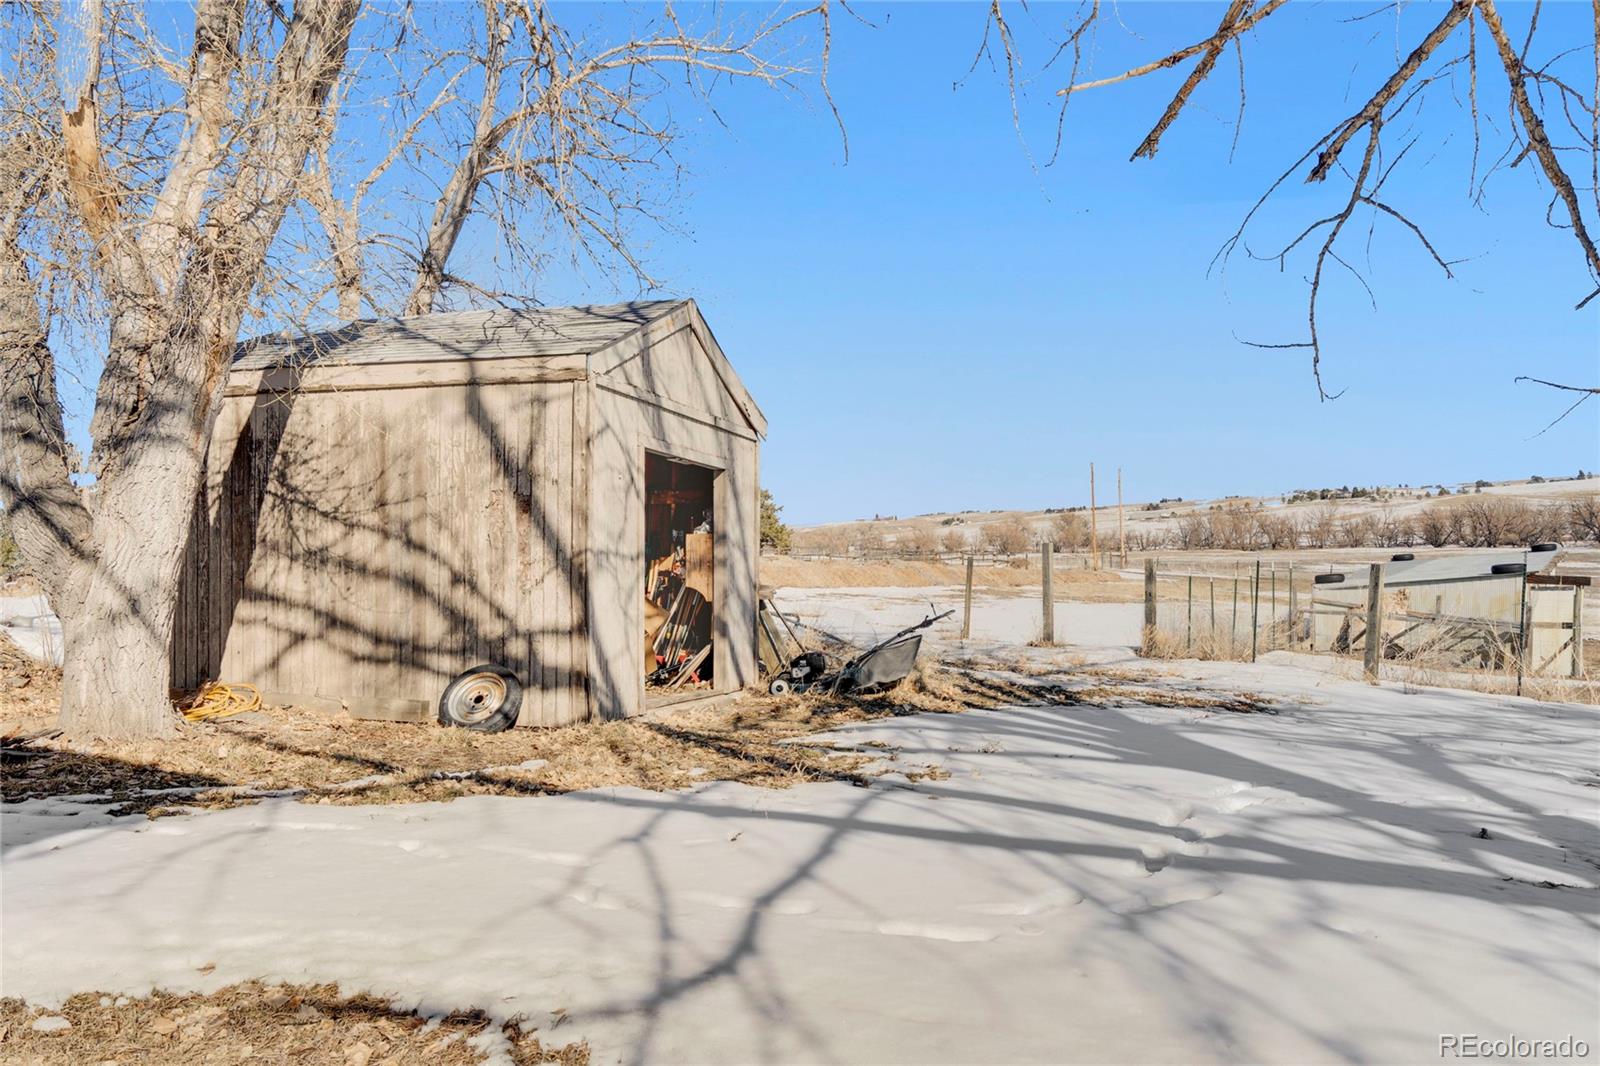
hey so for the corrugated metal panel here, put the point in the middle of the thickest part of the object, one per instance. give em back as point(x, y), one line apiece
point(461, 335)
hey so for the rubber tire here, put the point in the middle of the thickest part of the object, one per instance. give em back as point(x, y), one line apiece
point(1402, 557)
point(779, 686)
point(504, 717)
point(1327, 579)
point(1544, 546)
point(1509, 568)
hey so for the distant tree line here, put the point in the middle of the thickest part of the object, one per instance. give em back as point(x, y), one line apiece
point(1472, 521)
point(1466, 520)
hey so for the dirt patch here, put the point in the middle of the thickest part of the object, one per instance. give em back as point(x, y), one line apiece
point(276, 1024)
point(29, 689)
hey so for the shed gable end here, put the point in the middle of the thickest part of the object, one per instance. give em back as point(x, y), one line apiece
point(676, 361)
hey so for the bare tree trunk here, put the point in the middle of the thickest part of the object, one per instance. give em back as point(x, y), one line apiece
point(48, 519)
point(178, 301)
point(117, 663)
point(116, 675)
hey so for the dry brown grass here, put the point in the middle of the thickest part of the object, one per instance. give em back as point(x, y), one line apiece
point(319, 758)
point(1420, 669)
point(1072, 583)
point(254, 1023)
point(333, 759)
point(781, 572)
point(1166, 643)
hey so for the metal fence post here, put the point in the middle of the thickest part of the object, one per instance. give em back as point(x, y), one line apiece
point(1233, 627)
point(1188, 628)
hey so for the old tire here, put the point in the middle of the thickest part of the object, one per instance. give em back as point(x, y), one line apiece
point(1402, 557)
point(1544, 546)
point(1328, 579)
point(779, 686)
point(485, 698)
point(1509, 568)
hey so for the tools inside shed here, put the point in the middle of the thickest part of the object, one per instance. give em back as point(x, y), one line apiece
point(679, 573)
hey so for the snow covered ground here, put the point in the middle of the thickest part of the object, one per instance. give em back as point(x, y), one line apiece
point(1115, 883)
point(29, 621)
point(998, 620)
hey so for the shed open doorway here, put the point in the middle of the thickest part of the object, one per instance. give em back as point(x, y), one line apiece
point(680, 568)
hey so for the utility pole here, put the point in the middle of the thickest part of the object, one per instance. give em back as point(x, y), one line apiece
point(1122, 530)
point(1094, 538)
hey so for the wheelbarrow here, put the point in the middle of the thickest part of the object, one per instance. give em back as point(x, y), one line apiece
point(883, 664)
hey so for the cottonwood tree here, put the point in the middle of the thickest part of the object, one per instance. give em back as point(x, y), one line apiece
point(541, 135)
point(155, 188)
point(1463, 54)
point(147, 192)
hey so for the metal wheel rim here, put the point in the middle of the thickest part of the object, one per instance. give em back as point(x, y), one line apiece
point(477, 697)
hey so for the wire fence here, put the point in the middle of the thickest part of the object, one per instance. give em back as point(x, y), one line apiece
point(1514, 626)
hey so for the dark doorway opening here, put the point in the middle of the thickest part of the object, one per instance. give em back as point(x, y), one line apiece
point(679, 577)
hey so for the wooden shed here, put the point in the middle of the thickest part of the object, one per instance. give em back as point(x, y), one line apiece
point(390, 503)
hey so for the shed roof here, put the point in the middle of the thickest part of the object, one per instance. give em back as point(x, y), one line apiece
point(459, 335)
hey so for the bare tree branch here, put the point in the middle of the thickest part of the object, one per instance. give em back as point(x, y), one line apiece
point(1533, 126)
point(1225, 34)
point(1372, 110)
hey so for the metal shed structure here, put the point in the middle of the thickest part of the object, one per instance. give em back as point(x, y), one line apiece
point(390, 503)
point(1471, 606)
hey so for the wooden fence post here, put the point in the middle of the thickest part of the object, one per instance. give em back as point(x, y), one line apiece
point(1255, 610)
point(1294, 614)
point(1272, 604)
point(1149, 604)
point(1374, 636)
point(1213, 585)
point(1122, 530)
point(1525, 628)
point(1094, 526)
point(1048, 633)
point(966, 613)
point(1577, 631)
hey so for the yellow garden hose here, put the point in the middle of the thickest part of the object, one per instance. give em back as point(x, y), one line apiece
point(217, 699)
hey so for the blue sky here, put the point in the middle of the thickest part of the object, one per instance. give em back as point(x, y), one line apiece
point(940, 324)
point(943, 322)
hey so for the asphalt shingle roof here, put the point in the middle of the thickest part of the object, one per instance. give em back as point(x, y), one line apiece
point(458, 335)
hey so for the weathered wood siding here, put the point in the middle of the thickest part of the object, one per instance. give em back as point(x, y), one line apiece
point(463, 489)
point(366, 544)
point(663, 393)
